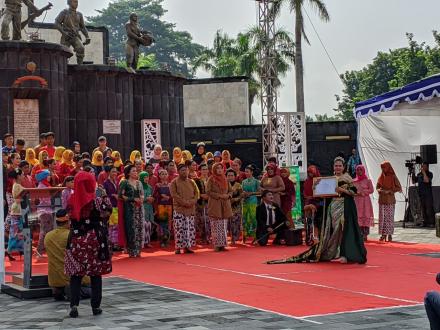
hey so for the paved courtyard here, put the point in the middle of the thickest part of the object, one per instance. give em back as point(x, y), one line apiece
point(132, 305)
point(410, 235)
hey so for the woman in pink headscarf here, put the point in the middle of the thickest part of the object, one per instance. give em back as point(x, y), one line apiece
point(362, 199)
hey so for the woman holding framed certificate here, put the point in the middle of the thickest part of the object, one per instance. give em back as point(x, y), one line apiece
point(340, 236)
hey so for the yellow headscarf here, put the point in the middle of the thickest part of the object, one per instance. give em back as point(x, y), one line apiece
point(209, 155)
point(186, 155)
point(135, 154)
point(177, 155)
point(117, 162)
point(59, 153)
point(30, 157)
point(40, 157)
point(95, 161)
point(67, 157)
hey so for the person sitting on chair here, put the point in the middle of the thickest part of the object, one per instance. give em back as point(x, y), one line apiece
point(56, 242)
point(270, 220)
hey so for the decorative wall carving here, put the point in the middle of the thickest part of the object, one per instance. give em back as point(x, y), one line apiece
point(150, 136)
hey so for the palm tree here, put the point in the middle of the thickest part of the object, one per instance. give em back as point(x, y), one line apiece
point(240, 57)
point(297, 7)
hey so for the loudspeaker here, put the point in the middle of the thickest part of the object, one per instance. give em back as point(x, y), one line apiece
point(428, 153)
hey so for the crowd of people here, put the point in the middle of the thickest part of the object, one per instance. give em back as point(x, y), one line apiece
point(205, 198)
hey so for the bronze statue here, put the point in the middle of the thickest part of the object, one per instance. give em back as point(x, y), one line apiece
point(135, 38)
point(12, 14)
point(70, 22)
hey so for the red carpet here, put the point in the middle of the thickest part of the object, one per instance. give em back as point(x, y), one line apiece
point(392, 277)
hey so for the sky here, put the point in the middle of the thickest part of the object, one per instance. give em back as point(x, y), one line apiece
point(357, 31)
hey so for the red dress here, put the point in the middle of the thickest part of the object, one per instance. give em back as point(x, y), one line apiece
point(64, 171)
point(88, 249)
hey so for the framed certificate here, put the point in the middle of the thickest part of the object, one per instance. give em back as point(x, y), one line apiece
point(325, 186)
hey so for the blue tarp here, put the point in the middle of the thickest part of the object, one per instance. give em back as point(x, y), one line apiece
point(422, 90)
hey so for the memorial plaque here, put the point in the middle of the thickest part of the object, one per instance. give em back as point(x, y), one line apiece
point(27, 121)
point(111, 127)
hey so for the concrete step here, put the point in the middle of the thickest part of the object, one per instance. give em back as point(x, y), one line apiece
point(24, 293)
point(37, 281)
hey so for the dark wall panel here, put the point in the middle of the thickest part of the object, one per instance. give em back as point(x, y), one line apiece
point(320, 151)
point(103, 92)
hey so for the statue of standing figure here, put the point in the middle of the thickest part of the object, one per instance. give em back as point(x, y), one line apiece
point(12, 14)
point(70, 22)
point(135, 38)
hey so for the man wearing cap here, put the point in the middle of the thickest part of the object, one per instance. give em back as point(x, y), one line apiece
point(50, 144)
point(217, 157)
point(199, 157)
point(102, 146)
point(56, 242)
point(185, 194)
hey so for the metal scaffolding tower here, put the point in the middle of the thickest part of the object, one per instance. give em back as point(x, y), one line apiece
point(267, 56)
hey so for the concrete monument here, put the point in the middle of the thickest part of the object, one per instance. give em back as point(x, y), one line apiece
point(12, 14)
point(70, 22)
point(135, 38)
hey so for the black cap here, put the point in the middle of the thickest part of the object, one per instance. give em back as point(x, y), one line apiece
point(61, 215)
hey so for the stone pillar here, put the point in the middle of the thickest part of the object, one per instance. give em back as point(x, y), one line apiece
point(51, 64)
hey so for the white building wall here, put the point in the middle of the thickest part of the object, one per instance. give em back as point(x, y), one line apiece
point(216, 104)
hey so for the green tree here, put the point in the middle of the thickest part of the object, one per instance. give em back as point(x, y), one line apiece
point(145, 62)
point(389, 70)
point(239, 56)
point(173, 49)
point(298, 7)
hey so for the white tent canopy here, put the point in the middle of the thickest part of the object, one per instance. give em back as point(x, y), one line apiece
point(394, 125)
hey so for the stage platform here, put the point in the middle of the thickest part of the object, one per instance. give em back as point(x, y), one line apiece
point(236, 290)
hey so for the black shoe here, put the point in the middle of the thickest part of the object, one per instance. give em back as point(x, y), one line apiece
point(188, 251)
point(73, 312)
point(97, 311)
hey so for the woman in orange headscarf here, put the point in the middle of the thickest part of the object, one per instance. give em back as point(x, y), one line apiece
point(59, 154)
point(387, 185)
point(42, 156)
point(177, 155)
point(219, 191)
point(66, 165)
point(117, 161)
point(31, 158)
point(226, 159)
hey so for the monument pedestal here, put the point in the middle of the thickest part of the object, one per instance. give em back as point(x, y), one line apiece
point(17, 83)
point(39, 287)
